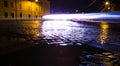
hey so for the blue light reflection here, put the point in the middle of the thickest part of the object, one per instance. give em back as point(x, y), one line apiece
point(68, 31)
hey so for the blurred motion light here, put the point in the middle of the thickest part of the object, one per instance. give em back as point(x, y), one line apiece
point(73, 16)
point(83, 17)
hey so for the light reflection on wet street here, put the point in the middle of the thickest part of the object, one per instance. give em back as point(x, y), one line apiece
point(63, 42)
point(18, 34)
point(98, 32)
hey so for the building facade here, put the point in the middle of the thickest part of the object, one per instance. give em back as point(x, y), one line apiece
point(24, 8)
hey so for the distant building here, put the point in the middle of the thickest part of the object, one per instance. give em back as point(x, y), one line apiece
point(24, 8)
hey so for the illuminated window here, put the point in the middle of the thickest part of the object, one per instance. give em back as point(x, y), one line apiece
point(6, 14)
point(5, 3)
point(12, 15)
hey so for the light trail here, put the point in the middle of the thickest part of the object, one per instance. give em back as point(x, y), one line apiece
point(104, 16)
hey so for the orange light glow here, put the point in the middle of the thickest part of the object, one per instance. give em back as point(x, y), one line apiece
point(104, 32)
point(36, 0)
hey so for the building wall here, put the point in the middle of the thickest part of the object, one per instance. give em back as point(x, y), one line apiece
point(24, 8)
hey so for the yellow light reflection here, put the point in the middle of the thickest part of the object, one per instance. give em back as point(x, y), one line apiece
point(104, 32)
point(104, 25)
point(32, 28)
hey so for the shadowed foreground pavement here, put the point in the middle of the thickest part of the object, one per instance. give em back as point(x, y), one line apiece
point(47, 55)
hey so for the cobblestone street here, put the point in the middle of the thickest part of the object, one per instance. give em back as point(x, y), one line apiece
point(52, 43)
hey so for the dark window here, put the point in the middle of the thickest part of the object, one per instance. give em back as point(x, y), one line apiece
point(36, 16)
point(12, 4)
point(6, 14)
point(12, 15)
point(29, 16)
point(21, 15)
point(5, 3)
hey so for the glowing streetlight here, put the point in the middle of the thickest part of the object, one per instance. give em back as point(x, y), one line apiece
point(76, 11)
point(107, 3)
point(108, 8)
point(36, 0)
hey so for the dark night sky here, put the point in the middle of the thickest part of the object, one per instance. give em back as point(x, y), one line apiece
point(72, 5)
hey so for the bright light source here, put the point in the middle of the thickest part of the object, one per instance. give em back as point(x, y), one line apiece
point(72, 16)
point(57, 16)
point(107, 3)
point(108, 8)
point(36, 0)
point(83, 17)
point(76, 10)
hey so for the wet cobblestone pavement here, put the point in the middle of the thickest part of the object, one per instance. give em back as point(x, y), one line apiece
point(99, 57)
point(103, 59)
point(90, 58)
point(55, 44)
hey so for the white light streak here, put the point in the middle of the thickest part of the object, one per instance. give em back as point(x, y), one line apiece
point(87, 16)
